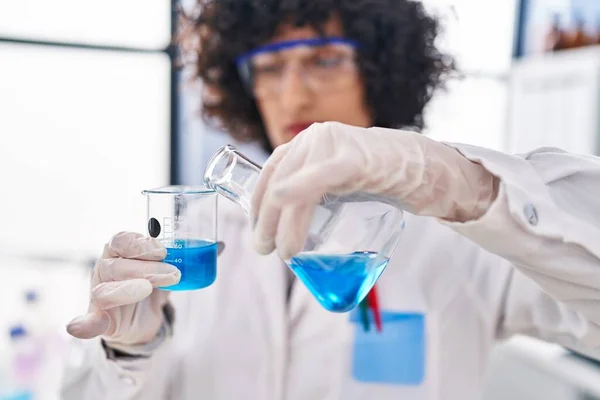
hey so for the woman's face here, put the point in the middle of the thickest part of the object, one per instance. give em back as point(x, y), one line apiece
point(299, 85)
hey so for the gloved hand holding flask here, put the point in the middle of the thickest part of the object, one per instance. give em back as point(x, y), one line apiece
point(418, 174)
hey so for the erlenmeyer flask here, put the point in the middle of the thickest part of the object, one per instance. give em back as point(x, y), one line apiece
point(350, 240)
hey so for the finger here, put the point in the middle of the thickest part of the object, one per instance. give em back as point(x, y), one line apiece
point(109, 295)
point(121, 269)
point(311, 183)
point(292, 231)
point(269, 210)
point(89, 326)
point(266, 227)
point(135, 246)
point(263, 180)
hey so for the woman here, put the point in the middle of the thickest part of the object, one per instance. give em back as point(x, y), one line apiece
point(272, 68)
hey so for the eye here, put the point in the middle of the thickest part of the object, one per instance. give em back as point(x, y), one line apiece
point(328, 61)
point(267, 66)
point(268, 69)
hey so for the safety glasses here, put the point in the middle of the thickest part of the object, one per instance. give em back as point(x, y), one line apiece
point(322, 64)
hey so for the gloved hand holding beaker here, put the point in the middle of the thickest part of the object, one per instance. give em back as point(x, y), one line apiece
point(125, 306)
point(132, 279)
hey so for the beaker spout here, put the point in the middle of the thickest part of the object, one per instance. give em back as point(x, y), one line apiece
point(232, 175)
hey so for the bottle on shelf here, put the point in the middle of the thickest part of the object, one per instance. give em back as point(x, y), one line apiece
point(579, 37)
point(22, 366)
point(25, 371)
point(556, 37)
point(597, 33)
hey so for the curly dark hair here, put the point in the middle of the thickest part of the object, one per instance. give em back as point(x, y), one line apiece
point(398, 59)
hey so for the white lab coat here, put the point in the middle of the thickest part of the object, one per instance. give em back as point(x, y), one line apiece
point(245, 338)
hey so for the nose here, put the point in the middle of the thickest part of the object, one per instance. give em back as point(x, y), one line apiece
point(295, 95)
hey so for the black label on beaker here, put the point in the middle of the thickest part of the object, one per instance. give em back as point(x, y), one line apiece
point(153, 227)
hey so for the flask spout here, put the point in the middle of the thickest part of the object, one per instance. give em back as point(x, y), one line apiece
point(232, 175)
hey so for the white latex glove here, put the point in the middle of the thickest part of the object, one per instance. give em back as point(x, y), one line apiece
point(421, 175)
point(125, 309)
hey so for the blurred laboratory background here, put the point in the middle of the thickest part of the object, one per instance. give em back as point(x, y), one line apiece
point(93, 109)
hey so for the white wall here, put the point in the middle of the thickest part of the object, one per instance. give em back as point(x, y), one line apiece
point(131, 23)
point(479, 34)
point(81, 134)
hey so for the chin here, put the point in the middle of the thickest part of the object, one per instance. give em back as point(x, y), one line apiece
point(279, 140)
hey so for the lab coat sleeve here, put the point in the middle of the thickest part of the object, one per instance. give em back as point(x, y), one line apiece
point(546, 222)
point(318, 349)
point(95, 376)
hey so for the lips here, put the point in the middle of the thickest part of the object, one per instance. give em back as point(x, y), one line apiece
point(298, 127)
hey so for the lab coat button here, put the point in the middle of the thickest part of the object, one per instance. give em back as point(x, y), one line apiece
point(127, 379)
point(531, 214)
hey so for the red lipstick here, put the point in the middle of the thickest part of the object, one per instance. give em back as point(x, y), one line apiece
point(297, 127)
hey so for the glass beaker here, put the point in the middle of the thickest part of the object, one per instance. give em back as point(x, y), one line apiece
point(350, 240)
point(184, 219)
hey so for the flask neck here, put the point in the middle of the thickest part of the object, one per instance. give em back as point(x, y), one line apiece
point(233, 175)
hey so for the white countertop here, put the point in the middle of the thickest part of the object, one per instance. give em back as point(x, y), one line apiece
point(557, 362)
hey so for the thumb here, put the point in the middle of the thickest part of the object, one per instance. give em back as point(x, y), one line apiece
point(89, 326)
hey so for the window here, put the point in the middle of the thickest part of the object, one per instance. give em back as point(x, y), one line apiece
point(480, 35)
point(86, 105)
point(133, 23)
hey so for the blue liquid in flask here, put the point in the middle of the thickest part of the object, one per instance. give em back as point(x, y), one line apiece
point(197, 261)
point(339, 282)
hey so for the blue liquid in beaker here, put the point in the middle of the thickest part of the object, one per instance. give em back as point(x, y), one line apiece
point(197, 261)
point(339, 282)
